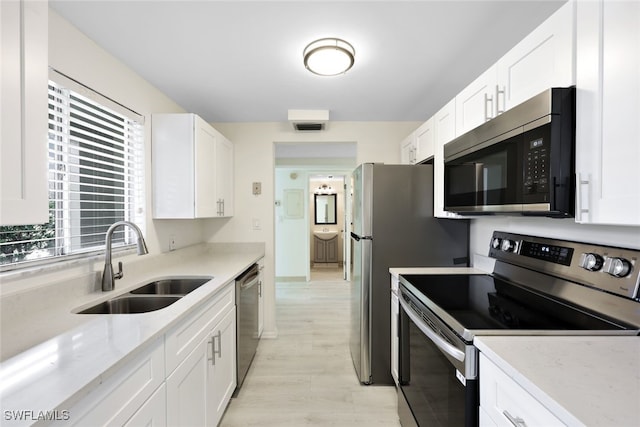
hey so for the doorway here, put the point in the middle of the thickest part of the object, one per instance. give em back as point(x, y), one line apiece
point(297, 167)
point(327, 226)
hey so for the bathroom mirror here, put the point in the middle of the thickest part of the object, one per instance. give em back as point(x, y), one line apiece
point(325, 208)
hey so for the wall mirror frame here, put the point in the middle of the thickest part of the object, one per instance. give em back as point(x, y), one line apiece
point(325, 209)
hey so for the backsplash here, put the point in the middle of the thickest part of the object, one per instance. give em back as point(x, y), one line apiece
point(566, 229)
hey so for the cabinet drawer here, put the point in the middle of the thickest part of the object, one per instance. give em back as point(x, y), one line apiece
point(501, 397)
point(184, 337)
point(119, 397)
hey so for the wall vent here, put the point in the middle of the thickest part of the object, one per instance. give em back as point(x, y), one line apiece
point(309, 120)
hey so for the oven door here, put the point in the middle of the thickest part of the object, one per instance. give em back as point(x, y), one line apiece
point(438, 383)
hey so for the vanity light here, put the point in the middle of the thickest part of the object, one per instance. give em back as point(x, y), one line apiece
point(329, 56)
point(324, 189)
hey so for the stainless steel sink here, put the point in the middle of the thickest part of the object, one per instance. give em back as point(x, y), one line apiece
point(173, 286)
point(131, 304)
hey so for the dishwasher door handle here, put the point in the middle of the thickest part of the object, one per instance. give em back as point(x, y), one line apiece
point(249, 284)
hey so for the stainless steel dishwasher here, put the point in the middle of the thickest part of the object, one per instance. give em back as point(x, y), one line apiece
point(247, 288)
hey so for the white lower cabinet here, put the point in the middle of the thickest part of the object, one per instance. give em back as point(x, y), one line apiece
point(505, 403)
point(153, 413)
point(185, 378)
point(201, 386)
point(121, 395)
point(201, 363)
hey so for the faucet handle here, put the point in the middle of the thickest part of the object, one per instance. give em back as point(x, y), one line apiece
point(119, 274)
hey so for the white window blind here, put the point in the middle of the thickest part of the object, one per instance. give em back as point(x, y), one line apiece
point(96, 177)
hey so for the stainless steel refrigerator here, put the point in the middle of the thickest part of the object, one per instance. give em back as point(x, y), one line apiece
point(392, 226)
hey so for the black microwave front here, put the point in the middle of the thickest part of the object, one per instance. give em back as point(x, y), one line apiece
point(521, 162)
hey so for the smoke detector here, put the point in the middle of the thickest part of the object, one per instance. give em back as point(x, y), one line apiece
point(309, 120)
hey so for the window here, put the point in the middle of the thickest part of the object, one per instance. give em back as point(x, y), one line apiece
point(96, 177)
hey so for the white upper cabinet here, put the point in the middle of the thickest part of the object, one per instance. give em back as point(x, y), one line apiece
point(541, 60)
point(192, 168)
point(224, 177)
point(475, 103)
point(424, 141)
point(408, 150)
point(23, 112)
point(444, 124)
point(608, 113)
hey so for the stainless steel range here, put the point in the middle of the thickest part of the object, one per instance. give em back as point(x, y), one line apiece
point(539, 286)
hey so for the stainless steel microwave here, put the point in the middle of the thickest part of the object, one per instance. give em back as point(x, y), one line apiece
point(521, 162)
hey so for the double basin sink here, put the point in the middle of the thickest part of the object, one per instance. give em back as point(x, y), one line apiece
point(149, 297)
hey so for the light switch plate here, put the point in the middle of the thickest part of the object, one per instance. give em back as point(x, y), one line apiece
point(257, 188)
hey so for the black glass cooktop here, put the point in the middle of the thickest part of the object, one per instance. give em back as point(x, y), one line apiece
point(487, 302)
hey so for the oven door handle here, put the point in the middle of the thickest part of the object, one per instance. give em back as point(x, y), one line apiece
point(437, 339)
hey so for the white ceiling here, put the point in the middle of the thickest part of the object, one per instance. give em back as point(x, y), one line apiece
point(241, 61)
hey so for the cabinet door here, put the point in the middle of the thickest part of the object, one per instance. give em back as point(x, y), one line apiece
point(206, 205)
point(424, 141)
point(407, 150)
point(444, 122)
point(607, 111)
point(320, 251)
point(332, 250)
point(153, 413)
point(23, 112)
point(221, 375)
point(187, 389)
point(121, 395)
point(224, 176)
point(475, 104)
point(541, 60)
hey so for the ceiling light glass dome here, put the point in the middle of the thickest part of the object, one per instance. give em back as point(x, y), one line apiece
point(329, 56)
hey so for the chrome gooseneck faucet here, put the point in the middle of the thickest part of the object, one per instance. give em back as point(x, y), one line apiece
point(108, 275)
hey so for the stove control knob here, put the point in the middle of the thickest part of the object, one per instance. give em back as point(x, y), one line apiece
point(495, 243)
point(591, 262)
point(617, 267)
point(508, 245)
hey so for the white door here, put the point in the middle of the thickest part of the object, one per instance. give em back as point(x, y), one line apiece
point(475, 104)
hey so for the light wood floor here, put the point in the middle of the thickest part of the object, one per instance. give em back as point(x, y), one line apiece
point(305, 377)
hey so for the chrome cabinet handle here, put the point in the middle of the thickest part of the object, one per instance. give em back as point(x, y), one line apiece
point(260, 288)
point(581, 210)
point(215, 352)
point(504, 100)
point(487, 112)
point(212, 359)
point(516, 421)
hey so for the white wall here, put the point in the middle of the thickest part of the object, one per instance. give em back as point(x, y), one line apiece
point(565, 229)
point(254, 161)
point(77, 56)
point(292, 256)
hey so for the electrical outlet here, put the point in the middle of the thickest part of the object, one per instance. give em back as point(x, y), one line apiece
point(257, 188)
point(172, 243)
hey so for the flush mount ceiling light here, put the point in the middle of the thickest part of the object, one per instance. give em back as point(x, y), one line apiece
point(329, 56)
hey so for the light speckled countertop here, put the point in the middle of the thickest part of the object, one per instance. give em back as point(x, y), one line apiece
point(57, 356)
point(583, 380)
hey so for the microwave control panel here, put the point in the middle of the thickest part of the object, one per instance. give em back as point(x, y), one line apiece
point(536, 166)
